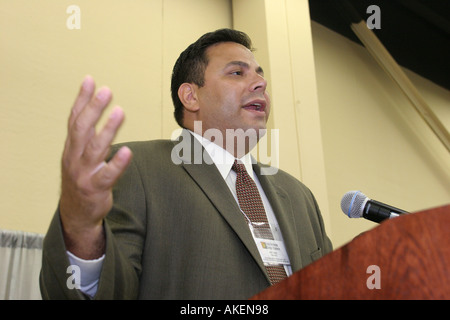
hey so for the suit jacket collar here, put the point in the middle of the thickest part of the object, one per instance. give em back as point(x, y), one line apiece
point(201, 168)
point(282, 207)
point(222, 158)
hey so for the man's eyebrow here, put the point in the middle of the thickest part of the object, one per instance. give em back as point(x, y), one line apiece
point(245, 65)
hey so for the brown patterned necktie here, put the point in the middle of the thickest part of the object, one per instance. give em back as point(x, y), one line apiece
point(253, 207)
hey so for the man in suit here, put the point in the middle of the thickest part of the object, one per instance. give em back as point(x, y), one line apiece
point(163, 219)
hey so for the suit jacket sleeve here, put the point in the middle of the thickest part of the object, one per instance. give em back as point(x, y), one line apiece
point(119, 277)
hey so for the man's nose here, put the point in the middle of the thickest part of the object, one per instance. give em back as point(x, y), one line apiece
point(259, 83)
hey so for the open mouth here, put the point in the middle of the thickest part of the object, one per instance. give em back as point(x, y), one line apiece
point(258, 105)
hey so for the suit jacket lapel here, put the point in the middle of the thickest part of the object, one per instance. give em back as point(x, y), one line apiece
point(200, 167)
point(283, 210)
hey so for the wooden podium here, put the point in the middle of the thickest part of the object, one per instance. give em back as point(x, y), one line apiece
point(407, 257)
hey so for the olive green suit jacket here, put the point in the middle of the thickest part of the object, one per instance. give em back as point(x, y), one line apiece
point(176, 232)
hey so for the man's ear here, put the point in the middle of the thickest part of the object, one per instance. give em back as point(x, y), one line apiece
point(188, 96)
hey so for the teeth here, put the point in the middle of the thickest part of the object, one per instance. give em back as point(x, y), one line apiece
point(257, 106)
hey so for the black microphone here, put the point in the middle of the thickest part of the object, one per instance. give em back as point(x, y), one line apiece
point(355, 204)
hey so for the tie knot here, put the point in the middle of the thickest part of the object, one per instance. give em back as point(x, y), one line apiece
point(238, 167)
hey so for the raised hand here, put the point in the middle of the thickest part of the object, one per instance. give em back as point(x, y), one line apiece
point(87, 179)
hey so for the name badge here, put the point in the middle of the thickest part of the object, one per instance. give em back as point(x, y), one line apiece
point(273, 252)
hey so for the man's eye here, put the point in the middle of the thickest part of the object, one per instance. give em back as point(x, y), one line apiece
point(236, 73)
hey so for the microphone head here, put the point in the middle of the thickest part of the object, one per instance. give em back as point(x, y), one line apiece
point(353, 203)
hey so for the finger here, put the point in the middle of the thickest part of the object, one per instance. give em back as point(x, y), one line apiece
point(107, 174)
point(85, 94)
point(98, 147)
point(83, 128)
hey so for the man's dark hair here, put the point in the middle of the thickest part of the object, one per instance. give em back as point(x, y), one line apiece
point(191, 64)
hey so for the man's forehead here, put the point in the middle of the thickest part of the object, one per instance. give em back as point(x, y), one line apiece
point(227, 53)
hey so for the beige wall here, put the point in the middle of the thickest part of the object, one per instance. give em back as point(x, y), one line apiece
point(324, 91)
point(130, 46)
point(373, 139)
point(344, 125)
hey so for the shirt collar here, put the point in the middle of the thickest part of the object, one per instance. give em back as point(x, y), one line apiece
point(222, 158)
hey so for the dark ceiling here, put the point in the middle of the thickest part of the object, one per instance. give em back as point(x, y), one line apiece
point(415, 32)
